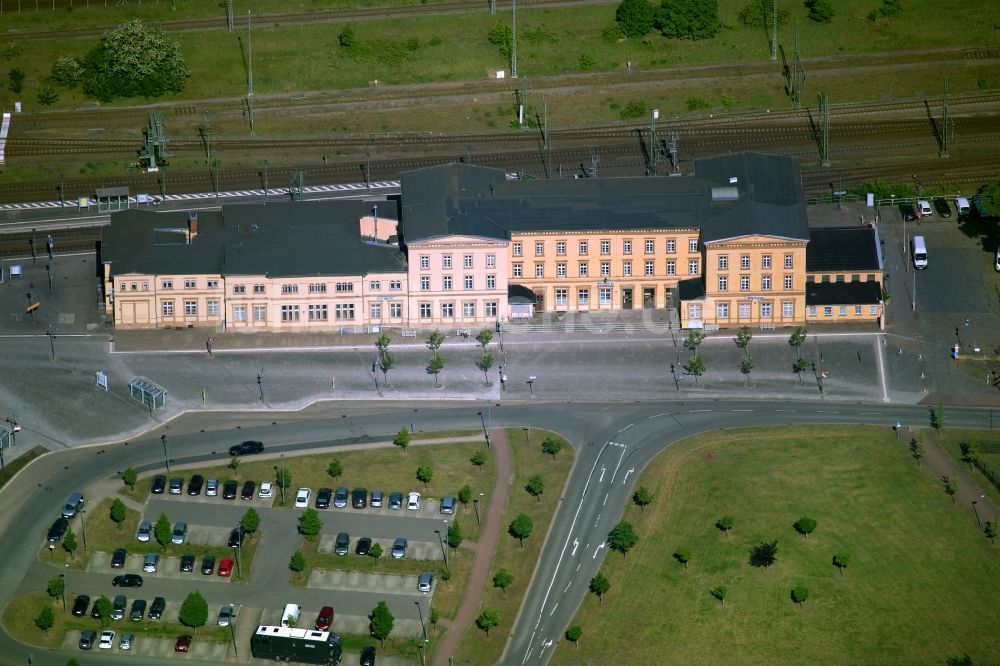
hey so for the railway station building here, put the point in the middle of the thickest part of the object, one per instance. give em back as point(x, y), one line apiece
point(465, 246)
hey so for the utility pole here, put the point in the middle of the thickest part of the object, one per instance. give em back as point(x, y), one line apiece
point(824, 118)
point(654, 147)
point(945, 122)
point(229, 15)
point(673, 147)
point(249, 69)
point(513, 42)
point(798, 74)
point(774, 30)
point(545, 138)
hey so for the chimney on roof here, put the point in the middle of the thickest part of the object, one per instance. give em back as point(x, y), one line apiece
point(192, 226)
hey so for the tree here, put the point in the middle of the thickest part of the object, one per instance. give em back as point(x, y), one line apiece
point(488, 619)
point(335, 469)
point(501, 35)
point(799, 366)
point(642, 497)
point(283, 479)
point(15, 78)
point(683, 555)
point(503, 580)
point(434, 616)
point(719, 592)
point(56, 586)
point(130, 477)
point(951, 487)
point(485, 363)
point(250, 522)
point(434, 367)
point(381, 622)
point(234, 463)
point(552, 446)
point(68, 70)
point(622, 537)
point(402, 439)
point(485, 337)
point(696, 367)
point(764, 554)
point(746, 365)
point(742, 339)
point(991, 532)
point(104, 608)
point(382, 344)
point(799, 595)
point(465, 495)
point(937, 417)
point(805, 526)
point(917, 450)
point(434, 341)
point(298, 562)
point(600, 585)
point(970, 453)
point(635, 17)
point(536, 486)
point(444, 574)
point(134, 60)
point(118, 512)
point(758, 14)
point(194, 611)
point(310, 524)
point(386, 363)
point(376, 551)
point(478, 459)
point(424, 474)
point(693, 340)
point(841, 560)
point(346, 37)
point(162, 530)
point(725, 524)
point(798, 337)
point(820, 11)
point(689, 19)
point(573, 635)
point(69, 542)
point(990, 196)
point(454, 534)
point(45, 618)
point(521, 527)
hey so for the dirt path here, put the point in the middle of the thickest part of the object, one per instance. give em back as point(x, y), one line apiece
point(484, 550)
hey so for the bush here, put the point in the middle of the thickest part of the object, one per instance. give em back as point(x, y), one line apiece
point(635, 17)
point(47, 96)
point(689, 19)
point(68, 70)
point(501, 35)
point(134, 60)
point(758, 13)
point(587, 61)
point(346, 37)
point(820, 11)
point(633, 110)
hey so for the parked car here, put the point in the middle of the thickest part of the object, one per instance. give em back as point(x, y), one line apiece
point(118, 605)
point(80, 605)
point(58, 529)
point(323, 497)
point(183, 643)
point(73, 505)
point(376, 501)
point(941, 207)
point(229, 489)
point(448, 504)
point(87, 638)
point(424, 581)
point(343, 544)
point(413, 501)
point(226, 567)
point(359, 498)
point(396, 501)
point(363, 546)
point(126, 641)
point(93, 611)
point(908, 212)
point(236, 537)
point(118, 558)
point(187, 563)
point(246, 448)
point(150, 562)
point(302, 498)
point(208, 565)
point(211, 488)
point(159, 484)
point(248, 488)
point(368, 656)
point(179, 533)
point(265, 490)
point(924, 208)
point(127, 580)
point(399, 548)
point(145, 531)
point(138, 610)
point(325, 618)
point(195, 484)
point(176, 485)
point(340, 497)
point(226, 614)
point(156, 608)
point(107, 639)
point(996, 260)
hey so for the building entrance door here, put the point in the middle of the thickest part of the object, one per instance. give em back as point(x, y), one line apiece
point(648, 298)
point(626, 299)
point(539, 301)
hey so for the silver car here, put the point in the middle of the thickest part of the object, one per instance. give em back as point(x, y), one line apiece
point(226, 614)
point(125, 642)
point(145, 531)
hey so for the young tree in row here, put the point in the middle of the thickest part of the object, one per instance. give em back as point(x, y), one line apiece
point(130, 477)
point(485, 363)
point(283, 478)
point(622, 537)
point(573, 635)
point(725, 524)
point(950, 488)
point(194, 611)
point(683, 555)
point(503, 579)
point(970, 453)
point(800, 594)
point(599, 585)
point(937, 417)
point(402, 439)
point(484, 337)
point(424, 474)
point(56, 587)
point(552, 446)
point(250, 522)
point(746, 365)
point(478, 459)
point(381, 622)
point(805, 526)
point(376, 551)
point(234, 464)
point(694, 340)
point(118, 513)
point(535, 487)
point(162, 530)
point(841, 560)
point(385, 363)
point(719, 592)
point(642, 497)
point(104, 608)
point(434, 367)
point(454, 539)
point(917, 450)
point(488, 619)
point(521, 527)
point(382, 345)
point(797, 339)
point(764, 554)
point(799, 367)
point(335, 469)
point(465, 495)
point(743, 338)
point(45, 618)
point(298, 562)
point(69, 542)
point(310, 524)
point(990, 530)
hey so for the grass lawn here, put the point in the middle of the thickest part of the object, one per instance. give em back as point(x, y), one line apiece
point(529, 460)
point(920, 587)
point(951, 440)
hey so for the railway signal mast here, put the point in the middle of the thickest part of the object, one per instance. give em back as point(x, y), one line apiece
point(824, 119)
point(155, 147)
point(250, 70)
point(654, 147)
point(798, 74)
point(947, 124)
point(774, 30)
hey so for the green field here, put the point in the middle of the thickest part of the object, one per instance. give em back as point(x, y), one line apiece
point(951, 440)
point(921, 586)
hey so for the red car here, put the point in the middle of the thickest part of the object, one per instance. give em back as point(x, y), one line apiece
point(226, 567)
point(248, 489)
point(324, 619)
point(183, 643)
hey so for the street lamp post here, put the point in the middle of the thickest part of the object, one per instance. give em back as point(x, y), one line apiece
point(232, 632)
point(166, 452)
point(236, 551)
point(673, 371)
point(63, 577)
point(974, 510)
point(486, 433)
point(279, 473)
point(475, 503)
point(260, 386)
point(423, 627)
point(48, 269)
point(31, 242)
point(531, 384)
point(52, 341)
point(83, 524)
point(375, 372)
point(52, 552)
point(423, 659)
point(444, 553)
point(899, 426)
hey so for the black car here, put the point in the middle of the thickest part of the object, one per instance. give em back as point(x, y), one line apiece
point(236, 537)
point(343, 544)
point(368, 656)
point(81, 605)
point(364, 546)
point(187, 563)
point(87, 638)
point(907, 211)
point(323, 497)
point(195, 484)
point(93, 613)
point(138, 610)
point(208, 565)
point(359, 498)
point(156, 608)
point(941, 207)
point(159, 484)
point(127, 580)
point(246, 448)
point(118, 558)
point(229, 489)
point(58, 529)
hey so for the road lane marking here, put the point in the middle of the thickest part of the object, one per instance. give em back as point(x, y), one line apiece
point(656, 416)
point(625, 428)
point(576, 544)
point(598, 520)
point(741, 410)
point(625, 480)
point(881, 368)
point(552, 612)
point(618, 466)
point(568, 585)
point(596, 551)
point(603, 469)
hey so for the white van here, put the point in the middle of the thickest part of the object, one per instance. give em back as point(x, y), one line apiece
point(290, 616)
point(962, 204)
point(919, 248)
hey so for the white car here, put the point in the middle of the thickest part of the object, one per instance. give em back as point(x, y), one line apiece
point(413, 501)
point(996, 260)
point(107, 640)
point(925, 207)
point(302, 498)
point(265, 490)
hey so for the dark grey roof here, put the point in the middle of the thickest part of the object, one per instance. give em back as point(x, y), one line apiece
point(518, 293)
point(278, 239)
point(833, 249)
point(843, 293)
point(692, 289)
point(105, 192)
